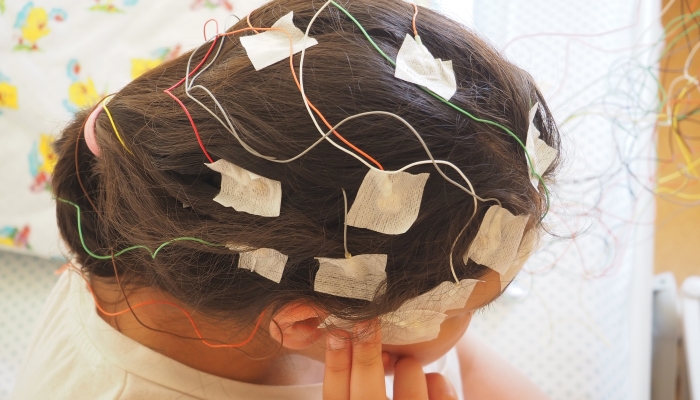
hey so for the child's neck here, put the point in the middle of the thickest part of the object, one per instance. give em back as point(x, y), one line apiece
point(262, 361)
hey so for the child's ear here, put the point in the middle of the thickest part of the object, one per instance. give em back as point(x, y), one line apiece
point(296, 325)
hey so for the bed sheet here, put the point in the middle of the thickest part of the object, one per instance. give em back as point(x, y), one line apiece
point(25, 284)
point(578, 319)
point(57, 57)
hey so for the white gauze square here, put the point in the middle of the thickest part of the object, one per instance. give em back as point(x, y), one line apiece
point(269, 47)
point(268, 263)
point(387, 202)
point(540, 153)
point(497, 241)
point(357, 277)
point(415, 64)
point(410, 326)
point(527, 247)
point(246, 191)
point(446, 296)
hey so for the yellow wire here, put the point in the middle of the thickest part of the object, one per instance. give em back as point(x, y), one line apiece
point(677, 174)
point(676, 134)
point(677, 192)
point(672, 191)
point(687, 170)
point(683, 196)
point(114, 126)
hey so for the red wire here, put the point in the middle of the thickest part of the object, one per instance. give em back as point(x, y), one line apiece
point(206, 56)
point(311, 105)
point(196, 132)
point(184, 108)
point(204, 29)
point(168, 303)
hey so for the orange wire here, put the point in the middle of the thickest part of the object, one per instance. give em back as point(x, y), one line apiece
point(684, 101)
point(168, 303)
point(296, 80)
point(291, 66)
point(415, 13)
point(247, 18)
point(63, 268)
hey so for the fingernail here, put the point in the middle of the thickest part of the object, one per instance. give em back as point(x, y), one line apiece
point(450, 389)
point(439, 387)
point(335, 342)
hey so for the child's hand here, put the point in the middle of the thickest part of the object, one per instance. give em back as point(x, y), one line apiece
point(355, 371)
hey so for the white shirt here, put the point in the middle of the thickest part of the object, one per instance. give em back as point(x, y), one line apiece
point(76, 355)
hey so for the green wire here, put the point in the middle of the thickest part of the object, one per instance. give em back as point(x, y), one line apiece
point(680, 36)
point(673, 24)
point(454, 106)
point(689, 114)
point(151, 252)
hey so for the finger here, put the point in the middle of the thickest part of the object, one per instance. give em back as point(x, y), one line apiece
point(409, 380)
point(386, 361)
point(439, 388)
point(336, 379)
point(367, 376)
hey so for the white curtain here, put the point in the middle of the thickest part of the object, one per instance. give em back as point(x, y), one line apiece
point(578, 320)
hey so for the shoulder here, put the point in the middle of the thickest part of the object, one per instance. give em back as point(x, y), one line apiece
point(60, 362)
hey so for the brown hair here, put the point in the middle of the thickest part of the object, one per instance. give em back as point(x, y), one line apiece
point(138, 199)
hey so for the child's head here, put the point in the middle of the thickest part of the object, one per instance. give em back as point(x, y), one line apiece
point(155, 186)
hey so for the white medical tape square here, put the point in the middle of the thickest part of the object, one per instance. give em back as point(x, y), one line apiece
point(387, 202)
point(410, 326)
point(446, 296)
point(269, 47)
point(415, 64)
point(246, 191)
point(497, 241)
point(540, 153)
point(527, 247)
point(357, 277)
point(268, 263)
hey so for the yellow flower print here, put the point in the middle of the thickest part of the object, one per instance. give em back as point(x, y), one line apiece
point(33, 24)
point(8, 96)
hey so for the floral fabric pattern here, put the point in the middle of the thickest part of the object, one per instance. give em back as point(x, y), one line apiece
point(58, 57)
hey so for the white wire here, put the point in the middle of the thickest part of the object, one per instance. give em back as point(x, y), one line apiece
point(228, 17)
point(686, 66)
point(345, 224)
point(189, 61)
point(313, 118)
point(324, 135)
point(454, 243)
point(228, 125)
point(432, 160)
point(303, 93)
